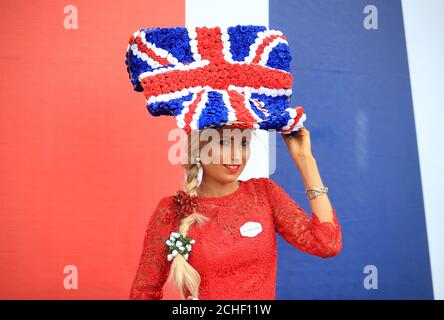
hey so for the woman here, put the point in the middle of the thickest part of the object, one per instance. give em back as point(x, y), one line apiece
point(222, 232)
point(223, 264)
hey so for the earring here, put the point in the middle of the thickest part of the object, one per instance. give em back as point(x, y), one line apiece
point(198, 162)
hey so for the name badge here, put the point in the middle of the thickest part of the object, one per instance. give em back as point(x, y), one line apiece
point(251, 229)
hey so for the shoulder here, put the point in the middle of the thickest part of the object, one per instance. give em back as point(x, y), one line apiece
point(262, 184)
point(165, 209)
point(261, 181)
point(166, 202)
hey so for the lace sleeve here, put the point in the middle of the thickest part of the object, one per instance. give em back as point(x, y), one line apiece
point(154, 267)
point(309, 235)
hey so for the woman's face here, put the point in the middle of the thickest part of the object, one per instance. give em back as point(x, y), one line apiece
point(226, 154)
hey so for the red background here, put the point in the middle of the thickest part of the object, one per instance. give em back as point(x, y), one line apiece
point(82, 163)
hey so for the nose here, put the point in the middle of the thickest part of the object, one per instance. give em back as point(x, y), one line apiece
point(236, 154)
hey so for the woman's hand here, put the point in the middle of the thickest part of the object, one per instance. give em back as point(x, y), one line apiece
point(299, 146)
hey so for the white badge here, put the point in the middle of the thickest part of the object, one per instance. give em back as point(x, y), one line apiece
point(251, 229)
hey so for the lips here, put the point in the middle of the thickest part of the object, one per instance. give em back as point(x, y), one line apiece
point(232, 168)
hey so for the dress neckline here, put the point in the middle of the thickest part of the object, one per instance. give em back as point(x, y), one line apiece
point(226, 197)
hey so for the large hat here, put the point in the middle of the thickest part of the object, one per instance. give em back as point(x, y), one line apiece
point(210, 77)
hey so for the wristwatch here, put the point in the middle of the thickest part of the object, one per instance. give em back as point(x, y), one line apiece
point(315, 191)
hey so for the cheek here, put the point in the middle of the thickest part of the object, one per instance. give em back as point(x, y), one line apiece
point(210, 154)
point(246, 155)
point(214, 170)
point(220, 153)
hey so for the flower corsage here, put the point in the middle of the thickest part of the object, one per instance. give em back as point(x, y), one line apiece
point(185, 203)
point(177, 243)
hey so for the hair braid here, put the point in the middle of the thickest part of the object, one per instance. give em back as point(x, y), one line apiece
point(186, 278)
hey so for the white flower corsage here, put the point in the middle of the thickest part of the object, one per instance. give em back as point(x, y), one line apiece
point(177, 243)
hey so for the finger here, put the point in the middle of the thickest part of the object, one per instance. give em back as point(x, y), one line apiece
point(286, 136)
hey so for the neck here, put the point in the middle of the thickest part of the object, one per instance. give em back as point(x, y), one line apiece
point(213, 188)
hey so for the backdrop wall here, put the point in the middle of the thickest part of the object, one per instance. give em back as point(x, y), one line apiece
point(83, 164)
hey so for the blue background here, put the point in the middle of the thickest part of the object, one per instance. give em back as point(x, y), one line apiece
point(355, 88)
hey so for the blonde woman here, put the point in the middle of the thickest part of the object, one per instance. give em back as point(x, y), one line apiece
point(217, 239)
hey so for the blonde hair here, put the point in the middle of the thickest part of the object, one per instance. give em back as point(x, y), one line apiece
point(182, 274)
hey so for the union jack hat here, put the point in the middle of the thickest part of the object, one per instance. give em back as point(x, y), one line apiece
point(210, 77)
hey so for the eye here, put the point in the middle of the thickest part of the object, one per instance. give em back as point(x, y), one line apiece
point(224, 142)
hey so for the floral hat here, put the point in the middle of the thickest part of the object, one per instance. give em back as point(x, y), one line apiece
point(210, 77)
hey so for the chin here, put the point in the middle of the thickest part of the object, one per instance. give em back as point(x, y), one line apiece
point(222, 175)
point(227, 177)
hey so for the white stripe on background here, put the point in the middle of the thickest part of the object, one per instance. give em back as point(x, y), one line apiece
point(229, 13)
point(424, 27)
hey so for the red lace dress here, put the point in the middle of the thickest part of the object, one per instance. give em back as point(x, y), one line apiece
point(233, 266)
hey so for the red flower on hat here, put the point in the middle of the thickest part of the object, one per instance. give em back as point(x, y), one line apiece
point(185, 203)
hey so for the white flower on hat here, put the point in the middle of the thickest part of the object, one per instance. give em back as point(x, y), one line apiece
point(178, 243)
point(192, 33)
point(193, 43)
point(181, 123)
